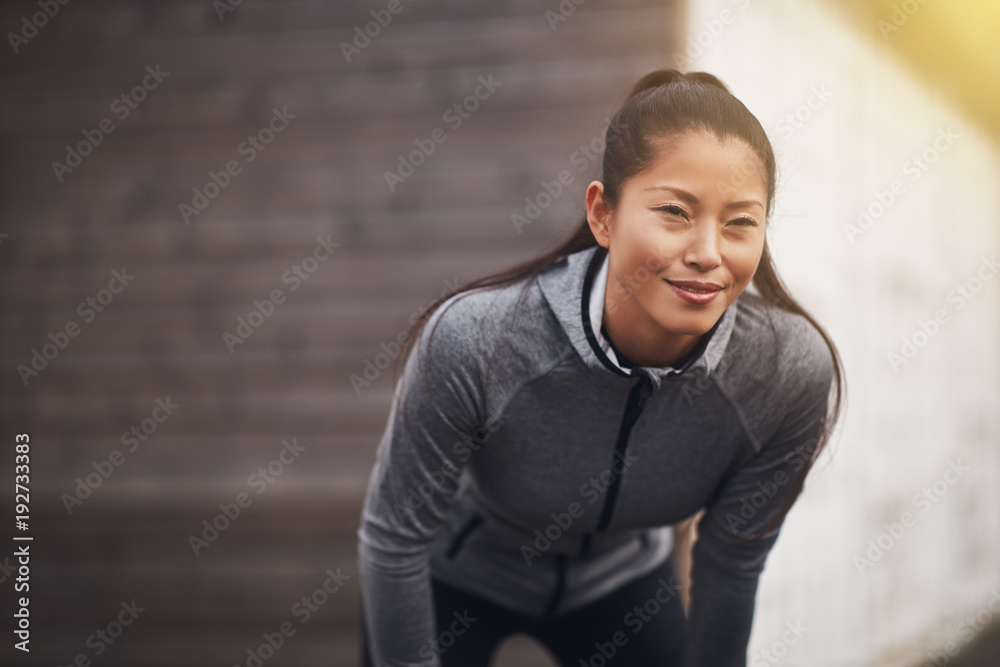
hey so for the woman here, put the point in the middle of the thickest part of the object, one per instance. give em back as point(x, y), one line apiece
point(556, 419)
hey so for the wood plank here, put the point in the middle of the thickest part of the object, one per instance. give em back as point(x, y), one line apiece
point(341, 276)
point(282, 414)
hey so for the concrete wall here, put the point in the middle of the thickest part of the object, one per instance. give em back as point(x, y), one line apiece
point(908, 418)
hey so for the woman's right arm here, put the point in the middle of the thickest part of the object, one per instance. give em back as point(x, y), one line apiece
point(416, 474)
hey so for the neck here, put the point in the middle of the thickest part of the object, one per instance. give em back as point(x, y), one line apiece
point(641, 339)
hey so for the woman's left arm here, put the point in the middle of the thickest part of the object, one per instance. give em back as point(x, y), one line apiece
point(725, 567)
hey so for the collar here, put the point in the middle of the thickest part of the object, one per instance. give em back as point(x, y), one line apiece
point(596, 308)
point(574, 287)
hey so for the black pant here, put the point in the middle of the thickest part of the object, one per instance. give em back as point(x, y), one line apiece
point(641, 623)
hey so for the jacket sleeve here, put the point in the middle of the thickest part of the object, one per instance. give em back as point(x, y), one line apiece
point(724, 569)
point(416, 474)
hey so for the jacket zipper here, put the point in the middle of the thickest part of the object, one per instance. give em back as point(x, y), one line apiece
point(469, 526)
point(633, 408)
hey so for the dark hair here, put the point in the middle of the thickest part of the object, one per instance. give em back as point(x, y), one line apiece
point(666, 103)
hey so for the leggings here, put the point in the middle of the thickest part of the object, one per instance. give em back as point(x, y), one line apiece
point(640, 623)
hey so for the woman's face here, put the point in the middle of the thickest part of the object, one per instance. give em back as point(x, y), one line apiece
point(683, 243)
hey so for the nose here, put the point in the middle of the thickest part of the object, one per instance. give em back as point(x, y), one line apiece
point(703, 249)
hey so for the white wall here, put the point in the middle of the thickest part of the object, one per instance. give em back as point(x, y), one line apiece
point(902, 426)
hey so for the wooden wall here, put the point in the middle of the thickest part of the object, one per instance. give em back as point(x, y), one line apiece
point(161, 337)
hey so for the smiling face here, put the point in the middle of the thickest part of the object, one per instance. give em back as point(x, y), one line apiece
point(683, 241)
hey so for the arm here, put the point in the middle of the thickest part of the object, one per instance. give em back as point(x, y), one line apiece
point(725, 570)
point(685, 535)
point(416, 474)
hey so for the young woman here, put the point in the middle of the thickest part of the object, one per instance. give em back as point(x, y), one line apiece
point(555, 420)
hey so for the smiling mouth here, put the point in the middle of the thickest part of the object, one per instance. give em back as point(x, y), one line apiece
point(695, 293)
point(695, 287)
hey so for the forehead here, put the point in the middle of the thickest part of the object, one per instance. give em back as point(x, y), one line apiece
point(728, 168)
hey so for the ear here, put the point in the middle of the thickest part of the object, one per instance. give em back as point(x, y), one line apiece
point(598, 214)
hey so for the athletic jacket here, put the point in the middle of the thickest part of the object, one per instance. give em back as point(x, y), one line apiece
point(525, 462)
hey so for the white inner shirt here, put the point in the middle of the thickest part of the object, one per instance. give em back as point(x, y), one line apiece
point(597, 291)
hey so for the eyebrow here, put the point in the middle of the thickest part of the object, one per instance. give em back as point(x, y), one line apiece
point(691, 199)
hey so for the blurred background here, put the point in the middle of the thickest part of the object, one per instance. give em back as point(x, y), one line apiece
point(218, 218)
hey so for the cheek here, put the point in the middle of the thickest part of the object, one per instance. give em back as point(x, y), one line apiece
point(643, 248)
point(744, 258)
point(656, 248)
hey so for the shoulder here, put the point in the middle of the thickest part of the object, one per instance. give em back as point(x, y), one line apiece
point(476, 317)
point(485, 343)
point(511, 323)
point(776, 361)
point(778, 341)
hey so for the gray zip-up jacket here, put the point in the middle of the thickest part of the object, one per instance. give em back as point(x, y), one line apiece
point(525, 462)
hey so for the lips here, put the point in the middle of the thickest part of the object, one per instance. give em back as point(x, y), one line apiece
point(695, 292)
point(695, 286)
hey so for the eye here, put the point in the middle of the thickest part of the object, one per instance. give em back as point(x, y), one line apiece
point(744, 222)
point(674, 209)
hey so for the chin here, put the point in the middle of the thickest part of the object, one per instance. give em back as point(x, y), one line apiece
point(690, 325)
